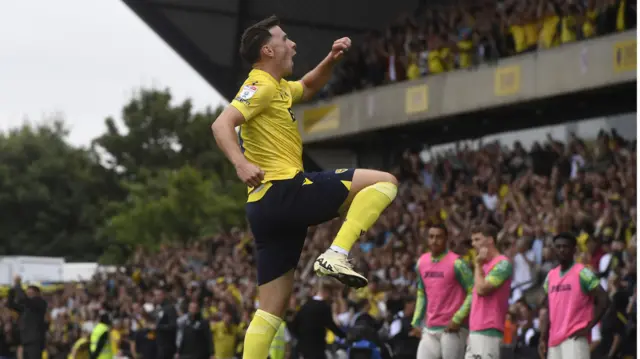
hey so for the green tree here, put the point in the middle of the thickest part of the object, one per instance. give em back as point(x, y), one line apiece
point(173, 205)
point(179, 185)
point(159, 135)
point(162, 178)
point(51, 194)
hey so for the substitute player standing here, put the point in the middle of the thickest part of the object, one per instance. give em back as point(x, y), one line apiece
point(575, 303)
point(491, 289)
point(284, 200)
point(448, 283)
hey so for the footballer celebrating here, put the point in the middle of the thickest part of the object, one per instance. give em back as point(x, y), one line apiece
point(283, 199)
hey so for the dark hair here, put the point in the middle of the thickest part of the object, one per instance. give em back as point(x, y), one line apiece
point(35, 288)
point(254, 37)
point(486, 230)
point(568, 236)
point(441, 226)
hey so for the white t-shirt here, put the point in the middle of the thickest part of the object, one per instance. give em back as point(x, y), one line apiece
point(521, 275)
point(521, 272)
point(577, 162)
point(396, 326)
point(605, 260)
point(596, 335)
point(535, 253)
point(490, 201)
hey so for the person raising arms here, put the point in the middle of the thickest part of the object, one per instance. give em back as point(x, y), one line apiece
point(283, 199)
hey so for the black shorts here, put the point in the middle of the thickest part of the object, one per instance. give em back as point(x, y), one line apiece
point(280, 219)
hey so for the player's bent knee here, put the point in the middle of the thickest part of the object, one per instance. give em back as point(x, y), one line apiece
point(363, 178)
point(388, 177)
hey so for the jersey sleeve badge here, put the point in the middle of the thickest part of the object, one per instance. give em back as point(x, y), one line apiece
point(246, 93)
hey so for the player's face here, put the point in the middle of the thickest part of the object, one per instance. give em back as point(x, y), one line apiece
point(565, 250)
point(479, 241)
point(283, 49)
point(437, 241)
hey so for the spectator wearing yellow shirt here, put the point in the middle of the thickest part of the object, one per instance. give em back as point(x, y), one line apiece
point(413, 71)
point(465, 48)
point(588, 19)
point(435, 61)
point(374, 296)
point(226, 336)
point(569, 23)
point(517, 31)
point(622, 15)
point(549, 33)
point(116, 336)
point(446, 52)
point(80, 349)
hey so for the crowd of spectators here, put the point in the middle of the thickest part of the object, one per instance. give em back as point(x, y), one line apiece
point(461, 35)
point(587, 187)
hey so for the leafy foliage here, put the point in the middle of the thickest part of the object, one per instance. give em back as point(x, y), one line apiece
point(160, 178)
point(50, 194)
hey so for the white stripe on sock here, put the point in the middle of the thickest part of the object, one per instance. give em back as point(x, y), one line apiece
point(339, 250)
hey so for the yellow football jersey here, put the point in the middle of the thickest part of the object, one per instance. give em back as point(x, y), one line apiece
point(269, 138)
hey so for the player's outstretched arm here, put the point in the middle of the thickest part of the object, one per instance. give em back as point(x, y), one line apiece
point(224, 131)
point(315, 79)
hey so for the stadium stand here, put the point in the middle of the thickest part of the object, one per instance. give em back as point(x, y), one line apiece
point(584, 186)
point(437, 39)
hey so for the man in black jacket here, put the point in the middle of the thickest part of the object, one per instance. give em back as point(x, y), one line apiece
point(32, 309)
point(403, 341)
point(166, 325)
point(312, 321)
point(194, 335)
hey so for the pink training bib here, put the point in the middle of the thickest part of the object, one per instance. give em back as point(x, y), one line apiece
point(490, 311)
point(570, 309)
point(445, 295)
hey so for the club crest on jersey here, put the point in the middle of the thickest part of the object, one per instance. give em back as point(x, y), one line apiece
point(246, 93)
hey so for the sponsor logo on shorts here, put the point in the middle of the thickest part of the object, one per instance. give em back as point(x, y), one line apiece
point(342, 170)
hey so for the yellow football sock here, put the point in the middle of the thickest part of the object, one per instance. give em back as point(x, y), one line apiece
point(365, 209)
point(260, 334)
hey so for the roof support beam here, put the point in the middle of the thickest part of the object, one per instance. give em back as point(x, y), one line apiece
point(237, 59)
point(219, 77)
point(287, 21)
